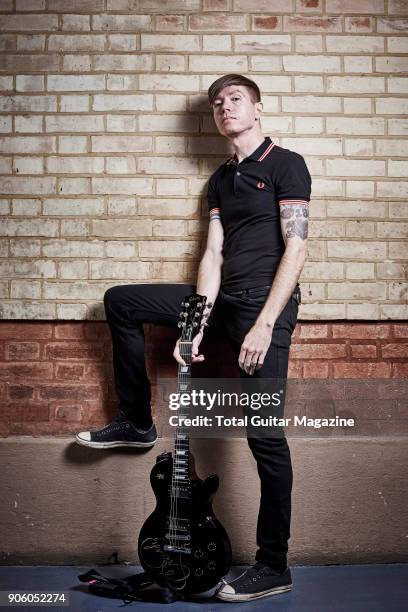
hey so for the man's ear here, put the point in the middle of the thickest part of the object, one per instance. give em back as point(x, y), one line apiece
point(259, 107)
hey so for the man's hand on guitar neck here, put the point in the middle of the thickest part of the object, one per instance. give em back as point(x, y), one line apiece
point(194, 350)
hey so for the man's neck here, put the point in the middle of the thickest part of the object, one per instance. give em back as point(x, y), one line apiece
point(246, 143)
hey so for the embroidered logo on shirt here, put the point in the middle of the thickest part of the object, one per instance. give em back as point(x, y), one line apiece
point(260, 185)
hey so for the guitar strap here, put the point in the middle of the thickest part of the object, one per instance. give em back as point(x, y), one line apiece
point(131, 588)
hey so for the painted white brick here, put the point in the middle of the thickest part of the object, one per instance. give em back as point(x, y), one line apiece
point(354, 84)
point(26, 207)
point(25, 289)
point(29, 82)
point(217, 42)
point(73, 269)
point(27, 144)
point(76, 22)
point(28, 227)
point(119, 249)
point(171, 166)
point(359, 146)
point(28, 123)
point(355, 125)
point(169, 82)
point(122, 42)
point(311, 63)
point(72, 144)
point(311, 104)
point(121, 144)
point(75, 165)
point(27, 185)
point(120, 165)
point(170, 42)
point(391, 106)
point(74, 227)
point(121, 123)
point(73, 207)
point(355, 167)
point(22, 103)
point(313, 84)
point(127, 62)
point(68, 82)
point(168, 123)
point(74, 104)
point(264, 43)
point(28, 165)
point(360, 270)
point(348, 249)
point(168, 249)
point(73, 248)
point(74, 290)
point(27, 310)
point(25, 247)
point(72, 311)
point(122, 186)
point(122, 23)
point(73, 186)
point(354, 44)
point(132, 270)
point(357, 106)
point(127, 228)
point(121, 206)
point(74, 123)
point(360, 189)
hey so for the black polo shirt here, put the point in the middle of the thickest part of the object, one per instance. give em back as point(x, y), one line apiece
point(248, 195)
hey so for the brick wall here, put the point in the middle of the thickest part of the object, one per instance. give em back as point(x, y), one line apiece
point(57, 377)
point(106, 143)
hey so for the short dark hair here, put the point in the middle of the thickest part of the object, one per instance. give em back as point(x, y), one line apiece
point(233, 79)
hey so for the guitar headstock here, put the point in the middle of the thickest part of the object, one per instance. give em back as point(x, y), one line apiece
point(191, 317)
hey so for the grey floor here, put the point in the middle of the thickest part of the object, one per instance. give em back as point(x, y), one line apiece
point(335, 588)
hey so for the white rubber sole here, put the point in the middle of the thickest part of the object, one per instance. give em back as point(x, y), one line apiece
point(251, 596)
point(114, 444)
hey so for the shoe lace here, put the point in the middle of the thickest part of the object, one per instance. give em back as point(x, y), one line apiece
point(254, 573)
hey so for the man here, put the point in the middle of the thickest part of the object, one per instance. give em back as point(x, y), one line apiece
point(256, 247)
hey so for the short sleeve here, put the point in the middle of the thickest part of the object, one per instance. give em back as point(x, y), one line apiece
point(212, 197)
point(293, 181)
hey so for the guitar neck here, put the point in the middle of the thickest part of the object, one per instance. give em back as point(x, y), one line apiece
point(182, 439)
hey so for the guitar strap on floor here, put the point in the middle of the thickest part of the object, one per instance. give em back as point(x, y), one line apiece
point(131, 588)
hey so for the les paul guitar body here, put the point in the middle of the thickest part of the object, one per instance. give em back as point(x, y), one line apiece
point(187, 555)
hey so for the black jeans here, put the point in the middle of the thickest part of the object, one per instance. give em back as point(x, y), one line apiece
point(127, 307)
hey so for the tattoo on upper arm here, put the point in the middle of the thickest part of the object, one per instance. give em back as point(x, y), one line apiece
point(294, 218)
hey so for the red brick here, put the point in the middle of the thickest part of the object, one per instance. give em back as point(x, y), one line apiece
point(313, 330)
point(297, 23)
point(24, 412)
point(69, 372)
point(31, 331)
point(309, 3)
point(266, 23)
point(295, 369)
point(74, 350)
point(315, 369)
point(71, 392)
point(97, 330)
point(318, 351)
point(400, 370)
point(30, 371)
point(361, 330)
point(400, 330)
point(22, 351)
point(69, 413)
point(358, 24)
point(70, 330)
point(396, 351)
point(169, 23)
point(379, 369)
point(20, 391)
point(364, 350)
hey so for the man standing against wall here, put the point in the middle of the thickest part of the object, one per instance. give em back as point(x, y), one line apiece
point(256, 247)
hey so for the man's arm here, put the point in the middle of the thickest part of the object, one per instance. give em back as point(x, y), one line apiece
point(208, 276)
point(294, 216)
point(294, 224)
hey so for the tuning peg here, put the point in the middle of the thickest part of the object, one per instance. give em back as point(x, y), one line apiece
point(179, 324)
point(197, 314)
point(195, 323)
point(209, 304)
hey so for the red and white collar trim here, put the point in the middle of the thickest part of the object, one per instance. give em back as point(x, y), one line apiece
point(234, 159)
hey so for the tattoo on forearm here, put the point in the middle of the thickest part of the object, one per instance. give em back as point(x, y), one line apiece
point(295, 219)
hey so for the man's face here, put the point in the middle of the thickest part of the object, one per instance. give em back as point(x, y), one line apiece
point(234, 111)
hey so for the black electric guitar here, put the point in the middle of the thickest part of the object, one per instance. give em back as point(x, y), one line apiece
point(182, 545)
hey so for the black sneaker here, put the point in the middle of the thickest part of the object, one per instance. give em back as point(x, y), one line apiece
point(119, 432)
point(256, 582)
